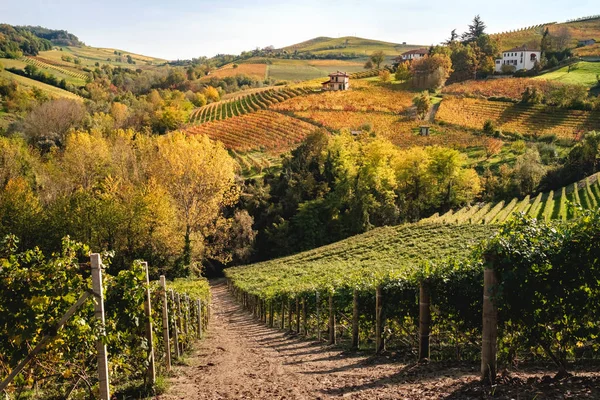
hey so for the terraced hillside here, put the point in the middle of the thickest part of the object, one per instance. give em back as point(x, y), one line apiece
point(525, 119)
point(243, 104)
point(261, 130)
point(577, 30)
point(52, 91)
point(547, 206)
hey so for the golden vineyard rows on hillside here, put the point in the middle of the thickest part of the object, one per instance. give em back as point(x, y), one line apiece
point(518, 118)
point(263, 129)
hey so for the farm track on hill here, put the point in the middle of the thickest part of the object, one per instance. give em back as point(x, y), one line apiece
point(242, 358)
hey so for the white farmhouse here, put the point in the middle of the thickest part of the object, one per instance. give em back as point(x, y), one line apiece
point(337, 81)
point(520, 57)
point(413, 54)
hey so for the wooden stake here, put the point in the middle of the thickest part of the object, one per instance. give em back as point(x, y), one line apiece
point(282, 326)
point(304, 321)
point(490, 326)
point(331, 320)
point(151, 373)
point(378, 321)
point(179, 322)
point(424, 320)
point(290, 314)
point(103, 380)
point(355, 319)
point(175, 328)
point(297, 315)
point(271, 314)
point(199, 305)
point(165, 321)
point(318, 317)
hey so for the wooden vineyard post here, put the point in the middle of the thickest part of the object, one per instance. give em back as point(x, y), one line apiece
point(304, 321)
point(355, 319)
point(179, 321)
point(103, 381)
point(187, 315)
point(271, 316)
point(318, 317)
point(290, 315)
point(424, 320)
point(175, 328)
point(297, 315)
point(378, 321)
point(282, 314)
point(199, 306)
point(165, 321)
point(151, 373)
point(331, 320)
point(490, 326)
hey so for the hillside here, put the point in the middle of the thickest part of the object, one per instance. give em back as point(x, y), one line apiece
point(581, 73)
point(572, 31)
point(348, 45)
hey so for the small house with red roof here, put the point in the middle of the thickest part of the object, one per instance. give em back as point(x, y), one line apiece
point(413, 55)
point(337, 81)
point(523, 57)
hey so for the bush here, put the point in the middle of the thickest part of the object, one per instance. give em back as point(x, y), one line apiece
point(519, 146)
point(489, 127)
point(548, 153)
point(508, 69)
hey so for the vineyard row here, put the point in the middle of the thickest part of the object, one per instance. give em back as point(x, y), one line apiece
point(544, 206)
point(245, 104)
point(41, 64)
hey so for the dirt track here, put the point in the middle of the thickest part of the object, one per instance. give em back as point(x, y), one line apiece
point(243, 359)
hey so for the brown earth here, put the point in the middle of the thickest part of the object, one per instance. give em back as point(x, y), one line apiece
point(242, 359)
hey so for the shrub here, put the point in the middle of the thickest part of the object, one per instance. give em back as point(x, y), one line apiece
point(548, 153)
point(489, 127)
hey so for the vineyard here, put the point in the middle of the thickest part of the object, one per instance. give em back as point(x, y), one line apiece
point(41, 63)
point(401, 131)
point(63, 347)
point(511, 88)
point(363, 97)
point(544, 206)
point(261, 130)
point(536, 120)
point(248, 103)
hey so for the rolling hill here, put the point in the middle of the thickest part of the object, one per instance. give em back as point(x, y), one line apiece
point(348, 44)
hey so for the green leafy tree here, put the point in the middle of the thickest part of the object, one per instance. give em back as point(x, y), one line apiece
point(476, 29)
point(422, 103)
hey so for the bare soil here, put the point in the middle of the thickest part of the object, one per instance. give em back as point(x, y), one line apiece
point(240, 358)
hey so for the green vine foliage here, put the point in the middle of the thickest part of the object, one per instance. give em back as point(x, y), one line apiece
point(549, 295)
point(36, 291)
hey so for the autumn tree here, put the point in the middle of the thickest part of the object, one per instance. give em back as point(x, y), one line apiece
point(199, 174)
point(403, 71)
point(430, 72)
point(377, 58)
point(422, 103)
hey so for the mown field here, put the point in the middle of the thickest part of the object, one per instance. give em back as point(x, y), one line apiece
point(582, 73)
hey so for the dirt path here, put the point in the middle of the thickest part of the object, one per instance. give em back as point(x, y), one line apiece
point(243, 359)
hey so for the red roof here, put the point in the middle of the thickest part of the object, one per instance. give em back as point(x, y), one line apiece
point(416, 51)
point(521, 48)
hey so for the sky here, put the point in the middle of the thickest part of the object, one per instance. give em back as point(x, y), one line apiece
point(182, 29)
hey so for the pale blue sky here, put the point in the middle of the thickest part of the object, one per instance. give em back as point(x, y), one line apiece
point(185, 28)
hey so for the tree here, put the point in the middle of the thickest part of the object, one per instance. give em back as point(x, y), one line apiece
point(385, 75)
point(403, 71)
point(377, 58)
point(31, 69)
point(47, 124)
point(452, 39)
point(476, 29)
point(430, 72)
point(369, 64)
point(211, 94)
point(199, 174)
point(423, 103)
point(528, 171)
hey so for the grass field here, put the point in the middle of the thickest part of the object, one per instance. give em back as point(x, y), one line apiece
point(256, 71)
point(582, 73)
point(349, 44)
point(53, 91)
point(89, 56)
